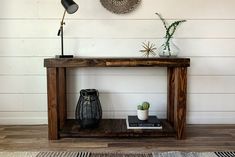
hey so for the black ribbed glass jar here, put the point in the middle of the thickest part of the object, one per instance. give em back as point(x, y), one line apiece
point(88, 110)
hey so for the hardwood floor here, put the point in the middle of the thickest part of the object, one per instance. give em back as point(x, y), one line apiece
point(199, 138)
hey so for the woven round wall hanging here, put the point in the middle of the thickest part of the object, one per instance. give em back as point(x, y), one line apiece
point(120, 6)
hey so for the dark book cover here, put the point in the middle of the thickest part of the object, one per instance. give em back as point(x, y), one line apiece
point(151, 123)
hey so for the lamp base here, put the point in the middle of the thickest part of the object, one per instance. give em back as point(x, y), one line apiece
point(64, 56)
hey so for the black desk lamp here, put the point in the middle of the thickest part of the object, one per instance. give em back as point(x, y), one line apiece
point(71, 7)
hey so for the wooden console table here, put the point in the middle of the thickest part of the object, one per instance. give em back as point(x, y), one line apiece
point(60, 126)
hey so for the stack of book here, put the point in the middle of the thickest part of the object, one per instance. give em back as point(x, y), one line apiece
point(132, 122)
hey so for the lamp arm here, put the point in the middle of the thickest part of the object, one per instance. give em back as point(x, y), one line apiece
point(71, 7)
point(61, 24)
point(61, 33)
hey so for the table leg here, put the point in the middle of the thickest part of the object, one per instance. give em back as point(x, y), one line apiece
point(52, 86)
point(62, 98)
point(180, 103)
point(177, 94)
point(171, 85)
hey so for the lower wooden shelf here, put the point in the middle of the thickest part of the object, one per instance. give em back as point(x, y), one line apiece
point(113, 128)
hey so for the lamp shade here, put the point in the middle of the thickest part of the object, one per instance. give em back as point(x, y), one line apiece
point(70, 6)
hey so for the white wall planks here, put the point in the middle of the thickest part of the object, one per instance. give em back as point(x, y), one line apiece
point(116, 83)
point(23, 84)
point(23, 102)
point(92, 9)
point(28, 35)
point(115, 29)
point(120, 102)
point(19, 118)
point(101, 47)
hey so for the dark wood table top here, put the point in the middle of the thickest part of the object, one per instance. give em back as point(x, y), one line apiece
point(117, 62)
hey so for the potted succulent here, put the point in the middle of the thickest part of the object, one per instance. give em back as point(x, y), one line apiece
point(143, 111)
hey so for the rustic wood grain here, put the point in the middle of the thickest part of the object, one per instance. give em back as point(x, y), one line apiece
point(114, 128)
point(52, 86)
point(62, 97)
point(116, 62)
point(180, 101)
point(177, 85)
point(170, 94)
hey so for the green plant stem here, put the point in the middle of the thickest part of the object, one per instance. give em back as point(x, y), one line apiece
point(169, 35)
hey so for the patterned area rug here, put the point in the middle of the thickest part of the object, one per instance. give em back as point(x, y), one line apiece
point(194, 154)
point(86, 154)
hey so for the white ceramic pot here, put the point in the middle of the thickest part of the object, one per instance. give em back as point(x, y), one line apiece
point(142, 114)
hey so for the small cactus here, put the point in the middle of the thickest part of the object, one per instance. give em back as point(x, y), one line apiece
point(144, 106)
point(140, 107)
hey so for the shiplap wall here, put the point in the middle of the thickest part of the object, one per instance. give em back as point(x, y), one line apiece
point(28, 31)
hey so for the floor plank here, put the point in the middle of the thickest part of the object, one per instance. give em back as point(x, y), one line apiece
point(199, 138)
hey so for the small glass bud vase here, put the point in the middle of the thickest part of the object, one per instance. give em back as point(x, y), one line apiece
point(168, 49)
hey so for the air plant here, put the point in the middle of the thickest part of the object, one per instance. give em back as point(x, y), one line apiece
point(170, 30)
point(148, 49)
